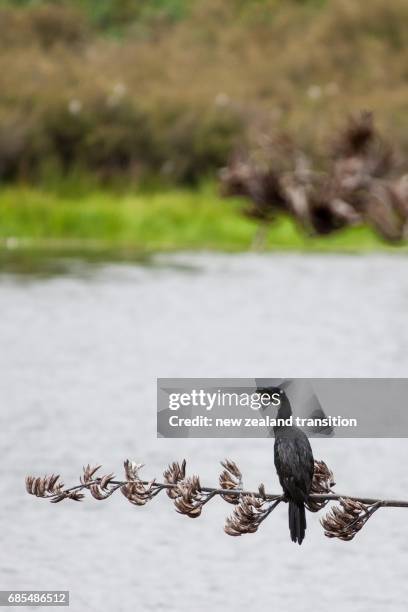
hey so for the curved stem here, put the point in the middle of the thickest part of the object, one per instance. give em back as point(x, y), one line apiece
point(214, 491)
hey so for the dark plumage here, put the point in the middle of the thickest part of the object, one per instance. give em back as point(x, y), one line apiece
point(295, 465)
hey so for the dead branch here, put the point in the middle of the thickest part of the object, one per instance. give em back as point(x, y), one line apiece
point(361, 184)
point(189, 496)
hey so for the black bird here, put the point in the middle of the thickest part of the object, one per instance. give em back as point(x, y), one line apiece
point(295, 466)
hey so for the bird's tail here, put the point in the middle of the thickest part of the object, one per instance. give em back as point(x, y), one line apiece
point(297, 521)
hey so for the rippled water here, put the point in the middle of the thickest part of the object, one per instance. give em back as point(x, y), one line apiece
point(80, 353)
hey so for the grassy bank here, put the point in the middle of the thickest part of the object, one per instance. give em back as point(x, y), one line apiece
point(174, 219)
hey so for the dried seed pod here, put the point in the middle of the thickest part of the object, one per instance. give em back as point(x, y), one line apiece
point(88, 473)
point(106, 480)
point(190, 498)
point(261, 490)
point(135, 491)
point(138, 493)
point(247, 516)
point(74, 495)
point(322, 484)
point(101, 489)
point(48, 486)
point(230, 478)
point(346, 520)
point(173, 475)
point(132, 469)
point(58, 498)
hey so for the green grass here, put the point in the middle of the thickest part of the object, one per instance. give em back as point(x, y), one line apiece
point(167, 220)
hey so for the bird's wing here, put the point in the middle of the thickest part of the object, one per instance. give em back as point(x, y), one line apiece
point(306, 460)
point(294, 464)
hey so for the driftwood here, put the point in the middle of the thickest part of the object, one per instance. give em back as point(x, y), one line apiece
point(362, 184)
point(343, 521)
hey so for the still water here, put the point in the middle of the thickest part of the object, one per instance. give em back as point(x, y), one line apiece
point(81, 348)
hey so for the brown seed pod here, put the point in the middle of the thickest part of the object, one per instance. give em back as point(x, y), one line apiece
point(246, 517)
point(48, 486)
point(322, 484)
point(230, 478)
point(174, 474)
point(135, 490)
point(88, 473)
point(190, 498)
point(138, 493)
point(346, 520)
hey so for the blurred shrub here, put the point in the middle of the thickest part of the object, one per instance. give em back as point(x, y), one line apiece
point(194, 142)
point(349, 21)
point(172, 98)
point(15, 134)
point(65, 128)
point(45, 25)
point(109, 15)
point(58, 25)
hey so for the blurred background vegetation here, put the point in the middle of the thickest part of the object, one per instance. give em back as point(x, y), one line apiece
point(123, 93)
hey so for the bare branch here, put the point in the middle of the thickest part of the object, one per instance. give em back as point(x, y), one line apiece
point(361, 183)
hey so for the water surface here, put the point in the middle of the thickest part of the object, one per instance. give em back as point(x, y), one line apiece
point(81, 349)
